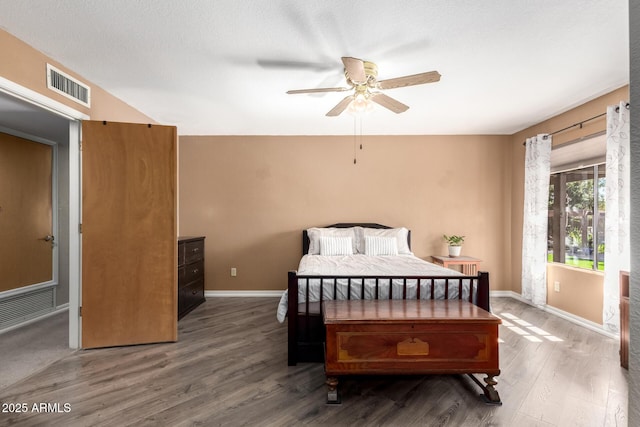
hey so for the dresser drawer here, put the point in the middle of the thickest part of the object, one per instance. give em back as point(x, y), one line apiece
point(191, 295)
point(193, 251)
point(182, 275)
point(192, 272)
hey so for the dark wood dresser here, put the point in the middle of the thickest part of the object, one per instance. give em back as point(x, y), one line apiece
point(190, 274)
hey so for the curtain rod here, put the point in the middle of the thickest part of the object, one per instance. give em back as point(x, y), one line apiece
point(580, 123)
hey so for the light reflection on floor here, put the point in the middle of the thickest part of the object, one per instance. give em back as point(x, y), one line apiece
point(525, 329)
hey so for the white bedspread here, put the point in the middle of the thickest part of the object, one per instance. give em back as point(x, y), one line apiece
point(364, 265)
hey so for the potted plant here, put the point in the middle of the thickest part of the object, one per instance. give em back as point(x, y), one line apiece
point(455, 244)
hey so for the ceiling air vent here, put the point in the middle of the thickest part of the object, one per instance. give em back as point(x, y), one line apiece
point(64, 84)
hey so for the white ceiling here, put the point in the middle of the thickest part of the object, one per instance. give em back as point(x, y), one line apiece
point(222, 67)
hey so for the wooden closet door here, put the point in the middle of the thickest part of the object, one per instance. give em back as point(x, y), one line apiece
point(25, 212)
point(129, 234)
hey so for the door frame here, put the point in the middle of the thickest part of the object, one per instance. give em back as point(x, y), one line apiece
point(74, 241)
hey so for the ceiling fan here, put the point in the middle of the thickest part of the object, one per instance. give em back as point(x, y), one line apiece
point(362, 78)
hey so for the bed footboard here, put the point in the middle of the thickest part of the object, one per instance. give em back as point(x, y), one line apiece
point(306, 328)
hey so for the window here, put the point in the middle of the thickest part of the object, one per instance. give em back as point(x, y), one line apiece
point(576, 217)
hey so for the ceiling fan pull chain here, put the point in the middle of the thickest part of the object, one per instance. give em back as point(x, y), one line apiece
point(355, 136)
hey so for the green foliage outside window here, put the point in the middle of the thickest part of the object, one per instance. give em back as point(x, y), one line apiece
point(576, 223)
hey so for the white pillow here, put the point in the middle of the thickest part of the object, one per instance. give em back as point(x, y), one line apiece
point(315, 233)
point(332, 246)
point(358, 243)
point(400, 234)
point(377, 245)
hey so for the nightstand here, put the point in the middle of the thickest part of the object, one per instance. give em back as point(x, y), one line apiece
point(470, 265)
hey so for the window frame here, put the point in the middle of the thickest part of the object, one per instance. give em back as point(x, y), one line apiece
point(558, 184)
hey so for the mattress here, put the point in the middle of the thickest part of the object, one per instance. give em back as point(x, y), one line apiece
point(365, 265)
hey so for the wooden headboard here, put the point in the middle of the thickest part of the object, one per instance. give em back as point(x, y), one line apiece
point(305, 237)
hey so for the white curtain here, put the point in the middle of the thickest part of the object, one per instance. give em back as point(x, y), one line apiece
point(534, 230)
point(616, 220)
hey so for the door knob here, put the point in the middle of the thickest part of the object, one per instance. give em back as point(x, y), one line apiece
point(48, 238)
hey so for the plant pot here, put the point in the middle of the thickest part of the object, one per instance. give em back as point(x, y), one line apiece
point(454, 251)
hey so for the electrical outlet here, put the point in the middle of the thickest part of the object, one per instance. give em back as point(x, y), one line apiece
point(556, 286)
point(234, 272)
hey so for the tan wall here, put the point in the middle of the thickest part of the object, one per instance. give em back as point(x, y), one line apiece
point(252, 197)
point(22, 64)
point(569, 276)
point(580, 291)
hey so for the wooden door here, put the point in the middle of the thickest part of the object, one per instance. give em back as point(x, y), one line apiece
point(129, 234)
point(25, 213)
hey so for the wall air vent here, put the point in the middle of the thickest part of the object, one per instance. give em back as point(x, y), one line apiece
point(25, 306)
point(64, 84)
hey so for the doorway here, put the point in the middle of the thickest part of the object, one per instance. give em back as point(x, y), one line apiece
point(34, 117)
point(158, 205)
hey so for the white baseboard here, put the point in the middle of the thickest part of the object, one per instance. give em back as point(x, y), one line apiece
point(242, 294)
point(581, 321)
point(557, 312)
point(508, 294)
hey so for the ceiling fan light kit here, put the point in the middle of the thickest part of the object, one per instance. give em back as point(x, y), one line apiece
point(360, 104)
point(362, 78)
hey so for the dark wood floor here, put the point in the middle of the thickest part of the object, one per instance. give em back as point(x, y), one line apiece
point(230, 368)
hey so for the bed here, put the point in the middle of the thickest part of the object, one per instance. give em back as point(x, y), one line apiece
point(362, 261)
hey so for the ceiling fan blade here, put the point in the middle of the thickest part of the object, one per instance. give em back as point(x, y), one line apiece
point(355, 69)
point(388, 102)
point(342, 105)
point(319, 90)
point(330, 80)
point(415, 79)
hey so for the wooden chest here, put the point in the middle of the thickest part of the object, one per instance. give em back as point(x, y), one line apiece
point(409, 337)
